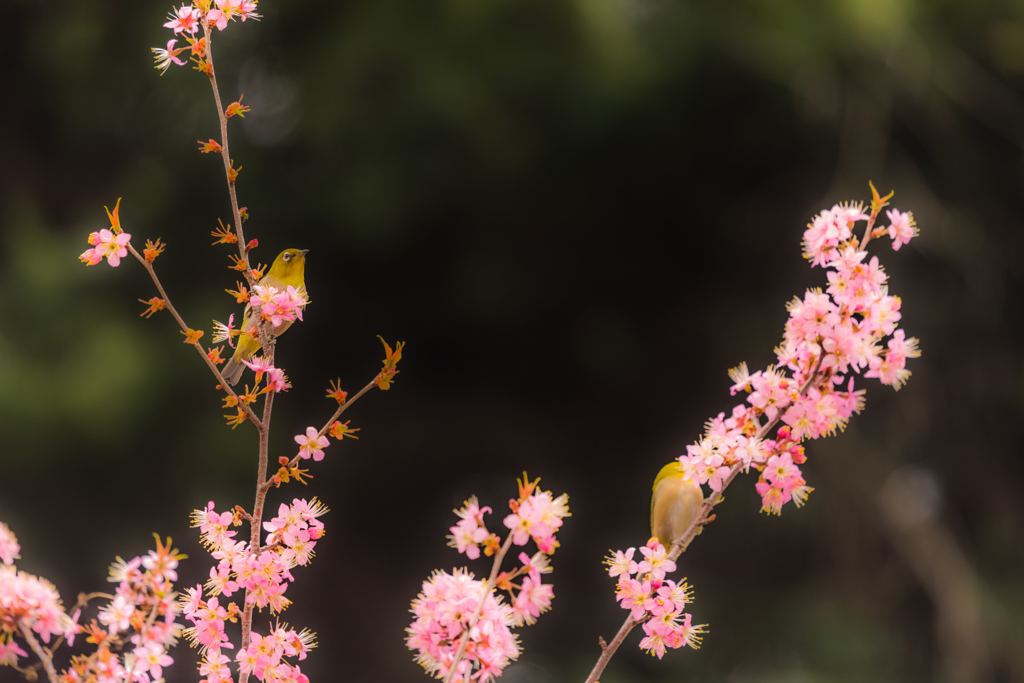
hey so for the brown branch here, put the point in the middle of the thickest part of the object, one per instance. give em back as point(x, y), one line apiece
point(488, 587)
point(185, 328)
point(225, 153)
point(268, 484)
point(45, 658)
point(256, 519)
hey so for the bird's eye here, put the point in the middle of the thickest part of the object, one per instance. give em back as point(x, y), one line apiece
point(287, 257)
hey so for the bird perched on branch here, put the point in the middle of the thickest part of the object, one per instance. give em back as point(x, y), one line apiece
point(674, 505)
point(288, 270)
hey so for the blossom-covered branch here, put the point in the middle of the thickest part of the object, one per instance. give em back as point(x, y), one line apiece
point(462, 628)
point(138, 621)
point(830, 336)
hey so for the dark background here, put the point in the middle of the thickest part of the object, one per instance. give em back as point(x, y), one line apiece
point(578, 214)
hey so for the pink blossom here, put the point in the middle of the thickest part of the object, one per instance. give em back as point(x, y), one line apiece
point(277, 381)
point(470, 530)
point(312, 444)
point(538, 517)
point(10, 652)
point(151, 659)
point(532, 600)
point(780, 469)
point(655, 560)
point(164, 57)
point(108, 245)
point(621, 564)
point(185, 18)
point(902, 227)
point(117, 614)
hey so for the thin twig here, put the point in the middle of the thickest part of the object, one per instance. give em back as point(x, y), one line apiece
point(45, 658)
point(243, 250)
point(270, 483)
point(185, 328)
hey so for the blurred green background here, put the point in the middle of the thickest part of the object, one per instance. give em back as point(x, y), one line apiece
point(578, 214)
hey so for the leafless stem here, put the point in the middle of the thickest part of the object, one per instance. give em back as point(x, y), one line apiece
point(488, 587)
point(43, 655)
point(243, 250)
point(268, 484)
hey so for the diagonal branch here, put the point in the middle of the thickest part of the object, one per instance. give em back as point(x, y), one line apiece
point(185, 328)
point(680, 544)
point(269, 483)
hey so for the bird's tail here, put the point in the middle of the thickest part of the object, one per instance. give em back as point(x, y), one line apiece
point(232, 372)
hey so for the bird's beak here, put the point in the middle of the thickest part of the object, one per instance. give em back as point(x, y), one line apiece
point(303, 252)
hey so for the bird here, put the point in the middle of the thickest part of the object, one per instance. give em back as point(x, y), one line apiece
point(675, 503)
point(288, 269)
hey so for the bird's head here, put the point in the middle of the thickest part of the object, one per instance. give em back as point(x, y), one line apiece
point(673, 469)
point(289, 266)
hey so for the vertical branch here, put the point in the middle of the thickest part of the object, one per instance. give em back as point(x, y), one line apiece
point(44, 657)
point(256, 522)
point(225, 153)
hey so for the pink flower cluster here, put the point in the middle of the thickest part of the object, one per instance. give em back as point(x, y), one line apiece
point(654, 601)
point(188, 19)
point(277, 306)
point(830, 336)
point(143, 612)
point(538, 517)
point(446, 606)
point(140, 619)
point(26, 602)
point(264, 576)
point(277, 381)
point(265, 656)
point(106, 244)
point(444, 609)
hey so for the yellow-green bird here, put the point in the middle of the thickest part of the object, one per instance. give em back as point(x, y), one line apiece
point(288, 269)
point(674, 504)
